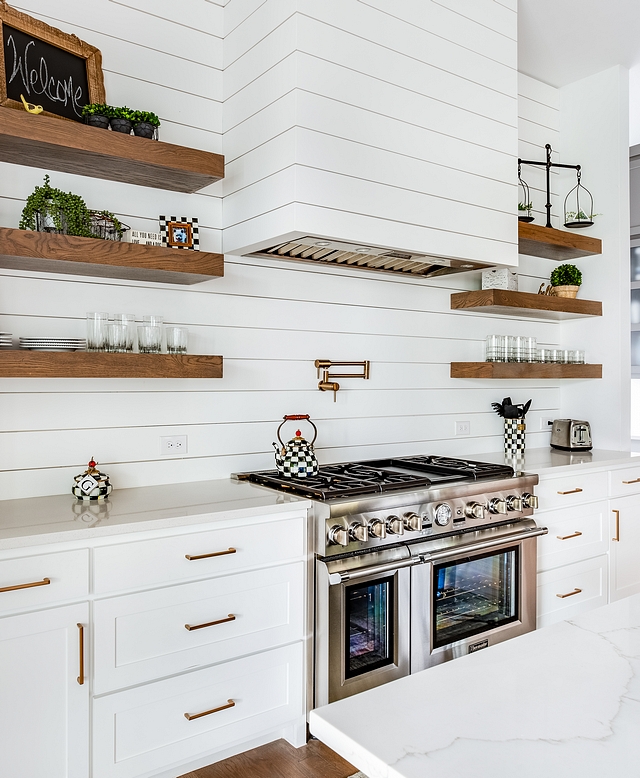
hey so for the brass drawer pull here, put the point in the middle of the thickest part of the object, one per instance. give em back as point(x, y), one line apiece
point(191, 717)
point(208, 556)
point(617, 537)
point(566, 537)
point(80, 678)
point(571, 491)
point(44, 582)
point(190, 627)
point(635, 481)
point(569, 594)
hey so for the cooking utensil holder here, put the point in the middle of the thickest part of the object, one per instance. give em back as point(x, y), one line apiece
point(514, 436)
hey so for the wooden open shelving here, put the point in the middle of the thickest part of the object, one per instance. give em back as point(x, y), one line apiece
point(540, 306)
point(91, 364)
point(50, 253)
point(70, 147)
point(523, 370)
point(560, 245)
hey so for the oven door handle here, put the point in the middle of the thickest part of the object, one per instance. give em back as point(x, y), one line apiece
point(514, 537)
point(365, 572)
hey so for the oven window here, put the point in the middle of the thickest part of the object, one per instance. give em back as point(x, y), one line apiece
point(369, 614)
point(474, 595)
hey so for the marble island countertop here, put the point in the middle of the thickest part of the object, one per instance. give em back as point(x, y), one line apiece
point(561, 701)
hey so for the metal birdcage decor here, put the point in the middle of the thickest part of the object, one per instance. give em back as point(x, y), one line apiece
point(525, 205)
point(582, 199)
point(105, 226)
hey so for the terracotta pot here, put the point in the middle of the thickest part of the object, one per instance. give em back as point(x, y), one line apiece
point(564, 291)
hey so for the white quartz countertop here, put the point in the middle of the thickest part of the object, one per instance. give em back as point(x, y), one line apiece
point(561, 701)
point(550, 461)
point(41, 520)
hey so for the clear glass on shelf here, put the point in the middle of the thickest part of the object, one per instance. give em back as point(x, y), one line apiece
point(129, 321)
point(495, 348)
point(177, 338)
point(117, 337)
point(97, 324)
point(149, 339)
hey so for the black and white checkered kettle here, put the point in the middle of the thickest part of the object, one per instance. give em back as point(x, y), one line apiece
point(296, 459)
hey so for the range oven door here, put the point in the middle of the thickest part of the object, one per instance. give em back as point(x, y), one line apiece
point(473, 595)
point(362, 627)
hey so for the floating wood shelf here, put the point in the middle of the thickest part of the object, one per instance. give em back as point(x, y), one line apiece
point(538, 241)
point(54, 144)
point(540, 306)
point(46, 252)
point(523, 370)
point(89, 364)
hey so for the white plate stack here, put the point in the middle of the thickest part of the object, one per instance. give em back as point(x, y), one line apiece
point(53, 344)
point(5, 340)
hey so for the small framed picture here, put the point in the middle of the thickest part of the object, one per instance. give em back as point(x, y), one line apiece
point(180, 233)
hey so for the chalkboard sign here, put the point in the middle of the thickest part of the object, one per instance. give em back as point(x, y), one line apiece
point(46, 66)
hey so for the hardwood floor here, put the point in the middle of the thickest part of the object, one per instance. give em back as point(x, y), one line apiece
point(280, 760)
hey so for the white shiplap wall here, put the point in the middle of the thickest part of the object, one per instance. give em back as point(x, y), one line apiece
point(269, 319)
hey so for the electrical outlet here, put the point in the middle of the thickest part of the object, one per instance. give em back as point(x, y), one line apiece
point(546, 422)
point(463, 428)
point(173, 445)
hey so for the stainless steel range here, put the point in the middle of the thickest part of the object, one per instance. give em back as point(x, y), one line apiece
point(417, 560)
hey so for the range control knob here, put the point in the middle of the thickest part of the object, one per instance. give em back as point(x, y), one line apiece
point(514, 503)
point(338, 536)
point(474, 510)
point(529, 500)
point(442, 514)
point(377, 529)
point(496, 505)
point(358, 532)
point(412, 522)
point(395, 525)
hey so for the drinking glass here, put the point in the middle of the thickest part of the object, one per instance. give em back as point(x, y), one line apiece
point(97, 331)
point(495, 348)
point(564, 356)
point(545, 355)
point(149, 339)
point(129, 321)
point(152, 320)
point(117, 337)
point(510, 348)
point(580, 358)
point(176, 340)
point(525, 349)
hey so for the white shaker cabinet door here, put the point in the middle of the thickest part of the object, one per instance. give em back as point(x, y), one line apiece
point(625, 547)
point(44, 710)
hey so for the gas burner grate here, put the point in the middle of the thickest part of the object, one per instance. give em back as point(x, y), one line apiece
point(465, 468)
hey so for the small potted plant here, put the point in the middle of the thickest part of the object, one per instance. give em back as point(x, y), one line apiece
point(122, 120)
point(145, 124)
point(524, 212)
point(97, 115)
point(565, 281)
point(52, 210)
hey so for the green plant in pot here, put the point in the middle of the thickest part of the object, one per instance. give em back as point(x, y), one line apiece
point(565, 281)
point(98, 115)
point(105, 225)
point(122, 120)
point(145, 124)
point(524, 212)
point(52, 210)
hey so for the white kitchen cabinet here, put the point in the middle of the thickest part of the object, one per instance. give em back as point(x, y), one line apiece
point(571, 589)
point(625, 547)
point(44, 710)
point(575, 533)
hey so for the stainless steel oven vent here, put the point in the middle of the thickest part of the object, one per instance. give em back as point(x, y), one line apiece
point(340, 254)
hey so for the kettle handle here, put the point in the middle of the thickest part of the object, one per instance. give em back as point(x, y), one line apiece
point(298, 417)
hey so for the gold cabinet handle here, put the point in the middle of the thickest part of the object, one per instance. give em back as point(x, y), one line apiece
point(635, 481)
point(208, 556)
point(571, 491)
point(566, 537)
point(192, 716)
point(569, 594)
point(617, 537)
point(191, 627)
point(80, 678)
point(44, 582)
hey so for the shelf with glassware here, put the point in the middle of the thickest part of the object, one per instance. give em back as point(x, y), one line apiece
point(514, 370)
point(542, 306)
point(91, 364)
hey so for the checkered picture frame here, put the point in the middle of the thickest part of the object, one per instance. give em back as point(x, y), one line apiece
point(195, 234)
point(514, 435)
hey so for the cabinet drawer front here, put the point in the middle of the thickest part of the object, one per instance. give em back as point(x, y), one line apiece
point(571, 490)
point(577, 533)
point(142, 637)
point(143, 730)
point(23, 582)
point(623, 482)
point(165, 560)
point(567, 591)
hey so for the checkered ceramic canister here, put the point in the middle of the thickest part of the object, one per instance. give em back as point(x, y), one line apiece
point(514, 436)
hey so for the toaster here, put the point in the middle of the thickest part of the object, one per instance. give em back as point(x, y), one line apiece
point(571, 435)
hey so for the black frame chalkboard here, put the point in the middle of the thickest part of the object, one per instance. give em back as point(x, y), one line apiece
point(49, 67)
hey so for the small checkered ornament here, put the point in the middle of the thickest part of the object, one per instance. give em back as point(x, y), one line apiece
point(92, 484)
point(296, 459)
point(514, 436)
